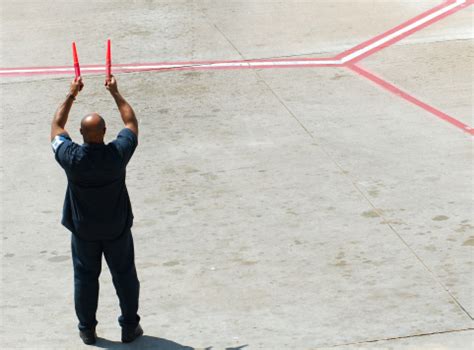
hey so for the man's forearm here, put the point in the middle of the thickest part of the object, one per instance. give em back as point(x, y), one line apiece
point(62, 113)
point(61, 116)
point(126, 111)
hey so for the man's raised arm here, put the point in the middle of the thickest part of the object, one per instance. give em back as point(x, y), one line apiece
point(126, 111)
point(60, 117)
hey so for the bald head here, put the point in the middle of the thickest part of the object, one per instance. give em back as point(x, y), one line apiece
point(93, 128)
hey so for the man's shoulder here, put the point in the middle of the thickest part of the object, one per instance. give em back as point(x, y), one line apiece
point(126, 138)
point(66, 151)
point(128, 133)
point(60, 139)
point(125, 143)
point(62, 142)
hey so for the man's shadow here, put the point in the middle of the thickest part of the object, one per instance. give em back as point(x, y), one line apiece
point(147, 342)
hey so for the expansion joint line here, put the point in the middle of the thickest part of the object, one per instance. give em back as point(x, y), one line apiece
point(345, 59)
point(398, 338)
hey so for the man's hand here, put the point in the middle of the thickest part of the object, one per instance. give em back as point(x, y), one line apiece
point(111, 85)
point(76, 86)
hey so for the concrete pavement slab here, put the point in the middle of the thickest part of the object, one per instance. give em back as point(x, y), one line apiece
point(278, 209)
point(40, 33)
point(286, 28)
point(421, 185)
point(246, 231)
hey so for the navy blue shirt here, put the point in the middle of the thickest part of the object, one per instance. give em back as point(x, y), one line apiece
point(97, 205)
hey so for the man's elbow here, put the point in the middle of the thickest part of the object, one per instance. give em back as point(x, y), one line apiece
point(56, 129)
point(133, 126)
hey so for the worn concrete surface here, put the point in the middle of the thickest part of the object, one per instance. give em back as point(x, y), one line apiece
point(275, 209)
point(288, 28)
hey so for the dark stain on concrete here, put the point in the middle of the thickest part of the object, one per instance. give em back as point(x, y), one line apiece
point(464, 227)
point(469, 242)
point(59, 258)
point(440, 218)
point(248, 262)
point(373, 193)
point(370, 214)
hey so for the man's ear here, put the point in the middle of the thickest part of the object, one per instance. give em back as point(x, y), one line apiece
point(81, 131)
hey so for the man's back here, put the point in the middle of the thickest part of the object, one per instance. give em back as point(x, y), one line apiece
point(97, 204)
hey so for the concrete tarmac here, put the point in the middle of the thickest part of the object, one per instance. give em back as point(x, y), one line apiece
point(299, 208)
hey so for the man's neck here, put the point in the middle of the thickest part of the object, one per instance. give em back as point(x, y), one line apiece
point(93, 143)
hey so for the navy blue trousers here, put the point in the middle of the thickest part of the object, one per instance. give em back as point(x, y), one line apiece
point(87, 260)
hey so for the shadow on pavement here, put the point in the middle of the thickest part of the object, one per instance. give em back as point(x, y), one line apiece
point(144, 342)
point(147, 342)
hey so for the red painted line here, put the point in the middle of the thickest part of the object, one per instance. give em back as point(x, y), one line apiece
point(395, 90)
point(253, 64)
point(197, 63)
point(197, 67)
point(299, 62)
point(404, 35)
point(52, 72)
point(186, 65)
point(393, 30)
point(287, 59)
point(136, 64)
point(125, 69)
point(41, 67)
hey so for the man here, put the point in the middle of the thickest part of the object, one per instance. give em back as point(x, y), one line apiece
point(98, 212)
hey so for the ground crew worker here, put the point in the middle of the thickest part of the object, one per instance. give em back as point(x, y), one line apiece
point(98, 212)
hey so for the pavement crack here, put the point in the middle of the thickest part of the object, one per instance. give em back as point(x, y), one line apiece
point(223, 35)
point(228, 40)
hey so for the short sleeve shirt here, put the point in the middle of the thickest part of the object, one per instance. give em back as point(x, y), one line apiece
point(97, 205)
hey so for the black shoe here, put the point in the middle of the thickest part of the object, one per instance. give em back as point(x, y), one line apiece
point(88, 336)
point(129, 335)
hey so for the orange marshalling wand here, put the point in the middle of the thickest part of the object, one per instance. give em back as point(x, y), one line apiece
point(108, 61)
point(77, 69)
